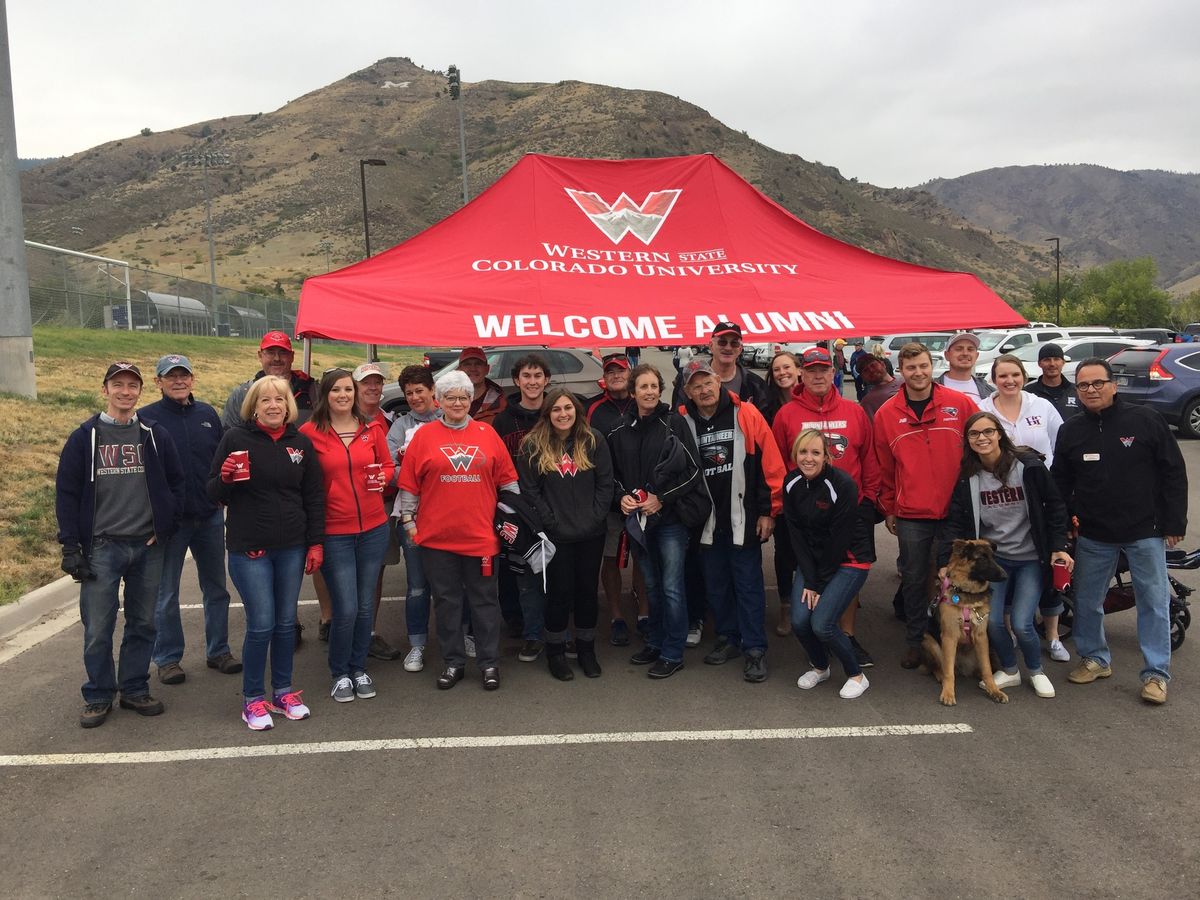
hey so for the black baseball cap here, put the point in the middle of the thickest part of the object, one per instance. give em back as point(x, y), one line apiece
point(726, 328)
point(121, 366)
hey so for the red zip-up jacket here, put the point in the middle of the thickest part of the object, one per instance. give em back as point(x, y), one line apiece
point(349, 507)
point(919, 459)
point(844, 423)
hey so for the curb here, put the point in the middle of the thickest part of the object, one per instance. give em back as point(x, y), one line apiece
point(53, 598)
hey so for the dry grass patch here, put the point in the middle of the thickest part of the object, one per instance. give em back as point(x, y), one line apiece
point(70, 364)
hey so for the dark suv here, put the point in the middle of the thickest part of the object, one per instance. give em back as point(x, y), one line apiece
point(1165, 378)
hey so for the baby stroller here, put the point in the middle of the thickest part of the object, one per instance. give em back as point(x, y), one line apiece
point(1120, 595)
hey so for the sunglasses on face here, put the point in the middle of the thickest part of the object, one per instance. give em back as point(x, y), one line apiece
point(729, 342)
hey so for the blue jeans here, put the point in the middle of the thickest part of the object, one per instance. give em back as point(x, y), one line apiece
point(206, 539)
point(140, 566)
point(416, 591)
point(662, 569)
point(1019, 595)
point(269, 587)
point(817, 629)
point(1095, 564)
point(351, 569)
point(734, 586)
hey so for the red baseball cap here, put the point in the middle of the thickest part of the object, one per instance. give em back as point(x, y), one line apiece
point(815, 356)
point(275, 339)
point(615, 359)
point(472, 353)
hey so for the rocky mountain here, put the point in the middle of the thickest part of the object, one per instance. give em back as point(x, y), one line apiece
point(288, 203)
point(1100, 214)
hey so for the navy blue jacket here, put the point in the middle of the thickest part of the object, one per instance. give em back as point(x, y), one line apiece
point(196, 430)
point(75, 484)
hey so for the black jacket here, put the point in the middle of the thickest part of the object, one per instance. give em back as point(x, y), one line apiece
point(1045, 507)
point(573, 506)
point(754, 389)
point(1120, 471)
point(656, 453)
point(514, 422)
point(828, 525)
point(605, 413)
point(283, 502)
point(196, 430)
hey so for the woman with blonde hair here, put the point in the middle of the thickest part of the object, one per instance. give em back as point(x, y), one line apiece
point(566, 473)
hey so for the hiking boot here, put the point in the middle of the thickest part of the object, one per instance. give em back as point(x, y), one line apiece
point(861, 656)
point(143, 705)
point(755, 668)
point(556, 659)
point(645, 656)
point(171, 673)
point(289, 705)
point(256, 714)
point(587, 658)
point(226, 663)
point(94, 714)
point(415, 661)
point(381, 649)
point(343, 690)
point(911, 658)
point(723, 652)
point(665, 668)
point(1154, 690)
point(531, 650)
point(618, 634)
point(1088, 671)
point(364, 687)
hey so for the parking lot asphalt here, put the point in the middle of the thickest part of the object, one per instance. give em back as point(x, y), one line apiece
point(702, 785)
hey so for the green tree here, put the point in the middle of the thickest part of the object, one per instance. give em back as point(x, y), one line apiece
point(1120, 294)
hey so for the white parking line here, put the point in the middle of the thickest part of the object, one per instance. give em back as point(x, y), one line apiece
point(476, 743)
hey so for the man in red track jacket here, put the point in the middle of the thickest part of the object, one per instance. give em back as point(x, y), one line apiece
point(918, 440)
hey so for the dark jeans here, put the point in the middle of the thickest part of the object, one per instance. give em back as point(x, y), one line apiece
point(693, 579)
point(522, 599)
point(734, 587)
point(269, 587)
point(351, 570)
point(918, 547)
point(140, 567)
point(817, 629)
point(785, 560)
point(457, 580)
point(571, 580)
point(206, 539)
point(662, 565)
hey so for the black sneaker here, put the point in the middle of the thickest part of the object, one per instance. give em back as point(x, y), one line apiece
point(450, 676)
point(645, 656)
point(755, 669)
point(665, 668)
point(299, 634)
point(94, 714)
point(323, 630)
point(723, 652)
point(863, 657)
point(491, 678)
point(381, 649)
point(643, 627)
point(530, 651)
point(618, 635)
point(145, 705)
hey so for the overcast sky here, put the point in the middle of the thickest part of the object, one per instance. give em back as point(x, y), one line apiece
point(893, 92)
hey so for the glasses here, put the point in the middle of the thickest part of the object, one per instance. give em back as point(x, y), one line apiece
point(1085, 386)
point(982, 433)
point(456, 400)
point(729, 342)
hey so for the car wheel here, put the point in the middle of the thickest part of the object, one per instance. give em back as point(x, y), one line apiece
point(1189, 422)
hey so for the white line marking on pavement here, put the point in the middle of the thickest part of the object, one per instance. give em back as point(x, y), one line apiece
point(476, 743)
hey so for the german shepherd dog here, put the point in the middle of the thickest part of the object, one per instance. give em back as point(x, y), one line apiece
point(961, 618)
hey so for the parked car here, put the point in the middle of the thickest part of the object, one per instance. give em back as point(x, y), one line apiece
point(576, 370)
point(1165, 378)
point(1158, 335)
point(766, 353)
point(997, 342)
point(435, 359)
point(750, 353)
point(1074, 352)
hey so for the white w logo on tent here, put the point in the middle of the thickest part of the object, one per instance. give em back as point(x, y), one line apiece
point(624, 216)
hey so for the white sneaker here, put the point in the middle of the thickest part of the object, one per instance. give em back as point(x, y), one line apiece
point(415, 661)
point(1004, 680)
point(812, 678)
point(695, 633)
point(469, 643)
point(1058, 652)
point(853, 689)
point(1041, 685)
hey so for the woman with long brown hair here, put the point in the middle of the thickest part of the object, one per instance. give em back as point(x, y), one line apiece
point(566, 473)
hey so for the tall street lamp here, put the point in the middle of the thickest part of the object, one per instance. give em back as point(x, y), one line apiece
point(372, 349)
point(454, 88)
point(1057, 282)
point(205, 160)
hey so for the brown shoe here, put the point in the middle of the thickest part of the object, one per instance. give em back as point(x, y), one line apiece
point(1088, 671)
point(94, 714)
point(171, 673)
point(145, 705)
point(784, 628)
point(226, 664)
point(911, 658)
point(1154, 690)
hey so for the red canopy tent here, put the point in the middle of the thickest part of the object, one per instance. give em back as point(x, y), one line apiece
point(579, 252)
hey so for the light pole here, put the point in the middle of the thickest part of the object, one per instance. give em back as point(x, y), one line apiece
point(454, 85)
point(325, 246)
point(205, 160)
point(372, 349)
point(1057, 282)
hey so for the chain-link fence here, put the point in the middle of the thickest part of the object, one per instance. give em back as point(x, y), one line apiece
point(80, 290)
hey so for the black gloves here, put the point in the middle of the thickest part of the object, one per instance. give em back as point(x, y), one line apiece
point(75, 564)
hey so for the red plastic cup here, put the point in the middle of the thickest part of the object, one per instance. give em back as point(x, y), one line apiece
point(375, 477)
point(241, 458)
point(485, 566)
point(1061, 575)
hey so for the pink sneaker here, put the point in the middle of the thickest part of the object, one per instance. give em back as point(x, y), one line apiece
point(256, 714)
point(289, 705)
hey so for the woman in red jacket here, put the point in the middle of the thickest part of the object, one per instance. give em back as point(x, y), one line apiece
point(354, 458)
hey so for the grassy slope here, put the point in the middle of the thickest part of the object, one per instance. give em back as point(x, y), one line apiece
point(70, 364)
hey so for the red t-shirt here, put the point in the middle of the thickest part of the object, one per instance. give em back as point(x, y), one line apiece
point(457, 474)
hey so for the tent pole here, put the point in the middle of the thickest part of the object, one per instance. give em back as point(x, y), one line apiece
point(307, 355)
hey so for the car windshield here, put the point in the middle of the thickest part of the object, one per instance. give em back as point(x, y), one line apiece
point(990, 340)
